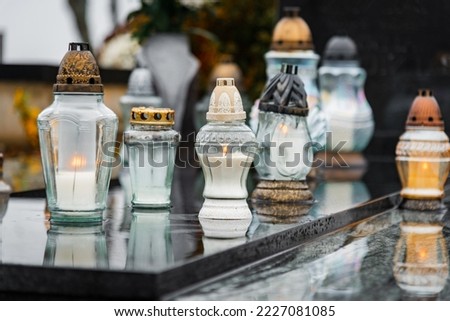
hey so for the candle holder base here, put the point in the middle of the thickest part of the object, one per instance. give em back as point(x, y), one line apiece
point(225, 218)
point(280, 213)
point(282, 192)
point(74, 217)
point(422, 205)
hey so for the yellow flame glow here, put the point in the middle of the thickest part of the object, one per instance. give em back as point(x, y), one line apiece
point(78, 162)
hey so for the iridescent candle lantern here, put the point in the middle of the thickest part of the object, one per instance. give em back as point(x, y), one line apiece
point(74, 134)
point(341, 79)
point(292, 43)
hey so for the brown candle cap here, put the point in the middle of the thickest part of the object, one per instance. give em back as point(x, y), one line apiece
point(225, 103)
point(291, 32)
point(425, 111)
point(152, 116)
point(78, 71)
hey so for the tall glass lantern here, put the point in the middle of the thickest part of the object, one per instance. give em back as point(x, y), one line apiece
point(344, 102)
point(74, 134)
point(226, 148)
point(292, 43)
point(423, 155)
point(285, 154)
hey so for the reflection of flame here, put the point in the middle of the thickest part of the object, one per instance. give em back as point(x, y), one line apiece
point(284, 129)
point(425, 166)
point(78, 162)
point(225, 150)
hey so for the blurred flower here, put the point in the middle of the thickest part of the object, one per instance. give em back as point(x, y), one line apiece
point(28, 115)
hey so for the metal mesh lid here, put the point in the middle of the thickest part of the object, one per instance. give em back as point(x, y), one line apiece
point(78, 71)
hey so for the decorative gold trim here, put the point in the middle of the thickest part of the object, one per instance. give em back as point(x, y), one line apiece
point(152, 116)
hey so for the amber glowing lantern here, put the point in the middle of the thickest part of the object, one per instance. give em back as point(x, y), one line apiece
point(423, 154)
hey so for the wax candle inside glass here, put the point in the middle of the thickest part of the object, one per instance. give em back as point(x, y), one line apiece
point(75, 186)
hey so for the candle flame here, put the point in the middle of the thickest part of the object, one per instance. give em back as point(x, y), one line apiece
point(225, 150)
point(78, 162)
point(423, 254)
point(425, 166)
point(284, 129)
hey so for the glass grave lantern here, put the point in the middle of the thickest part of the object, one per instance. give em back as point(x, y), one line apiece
point(140, 93)
point(152, 144)
point(285, 153)
point(292, 43)
point(423, 155)
point(344, 103)
point(225, 147)
point(75, 133)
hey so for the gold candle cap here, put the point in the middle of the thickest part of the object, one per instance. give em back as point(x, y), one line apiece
point(291, 32)
point(152, 116)
point(78, 71)
point(225, 103)
point(425, 111)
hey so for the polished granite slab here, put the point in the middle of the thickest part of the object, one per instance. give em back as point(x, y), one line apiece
point(141, 255)
point(395, 255)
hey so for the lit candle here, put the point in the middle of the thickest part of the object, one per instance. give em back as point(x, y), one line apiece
point(228, 170)
point(424, 178)
point(76, 187)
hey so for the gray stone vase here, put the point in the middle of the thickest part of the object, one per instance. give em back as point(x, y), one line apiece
point(173, 68)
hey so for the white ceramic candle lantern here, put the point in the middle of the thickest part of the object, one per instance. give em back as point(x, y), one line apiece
point(344, 102)
point(226, 148)
point(74, 134)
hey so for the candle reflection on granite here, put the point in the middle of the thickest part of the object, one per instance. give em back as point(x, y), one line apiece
point(79, 246)
point(421, 259)
point(150, 243)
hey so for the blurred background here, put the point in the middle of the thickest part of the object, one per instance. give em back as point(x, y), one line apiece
point(403, 45)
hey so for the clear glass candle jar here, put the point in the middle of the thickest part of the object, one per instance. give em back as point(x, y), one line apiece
point(151, 144)
point(74, 133)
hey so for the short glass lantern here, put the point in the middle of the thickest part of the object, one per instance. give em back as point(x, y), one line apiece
point(285, 154)
point(226, 148)
point(423, 155)
point(74, 134)
point(151, 143)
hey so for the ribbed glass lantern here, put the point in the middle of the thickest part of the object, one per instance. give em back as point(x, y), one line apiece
point(226, 148)
point(423, 155)
point(152, 144)
point(75, 133)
